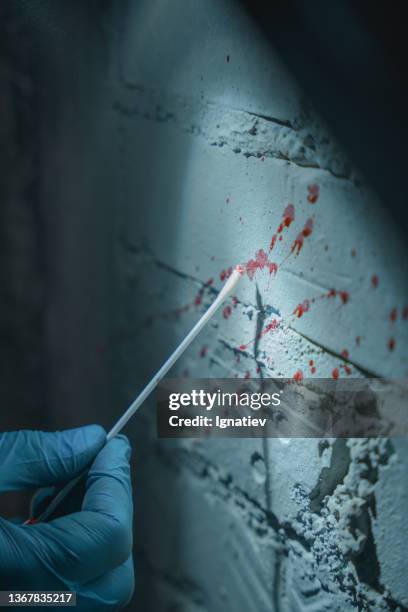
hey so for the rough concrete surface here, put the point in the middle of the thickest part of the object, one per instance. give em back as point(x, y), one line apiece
point(215, 141)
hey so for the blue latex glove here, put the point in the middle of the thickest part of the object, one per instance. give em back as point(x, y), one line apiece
point(90, 551)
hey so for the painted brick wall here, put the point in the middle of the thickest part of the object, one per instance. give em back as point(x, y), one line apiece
point(215, 141)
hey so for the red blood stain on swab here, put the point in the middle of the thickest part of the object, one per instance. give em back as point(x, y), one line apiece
point(298, 376)
point(374, 281)
point(314, 191)
point(393, 315)
point(335, 373)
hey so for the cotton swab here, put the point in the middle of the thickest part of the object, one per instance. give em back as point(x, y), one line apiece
point(127, 415)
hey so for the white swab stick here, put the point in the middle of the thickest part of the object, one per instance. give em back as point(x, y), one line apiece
point(225, 291)
point(127, 415)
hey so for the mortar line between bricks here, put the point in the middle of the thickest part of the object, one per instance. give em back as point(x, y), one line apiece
point(121, 108)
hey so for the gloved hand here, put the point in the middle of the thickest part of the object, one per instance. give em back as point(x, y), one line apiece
point(90, 551)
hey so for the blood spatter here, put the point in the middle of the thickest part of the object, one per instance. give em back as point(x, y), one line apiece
point(313, 195)
point(226, 313)
point(345, 354)
point(305, 233)
point(261, 259)
point(344, 296)
point(198, 298)
point(335, 373)
point(288, 218)
point(311, 362)
point(391, 344)
point(374, 281)
point(313, 370)
point(235, 301)
point(346, 368)
point(301, 308)
point(223, 275)
point(393, 315)
point(259, 263)
point(243, 347)
point(203, 351)
point(273, 242)
point(298, 376)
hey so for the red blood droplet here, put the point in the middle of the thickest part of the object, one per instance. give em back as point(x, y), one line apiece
point(307, 230)
point(273, 242)
point(273, 268)
point(298, 376)
point(313, 193)
point(311, 362)
point(332, 293)
point(345, 354)
point(344, 295)
point(210, 281)
point(301, 308)
point(335, 373)
point(243, 347)
point(227, 312)
point(197, 300)
point(391, 344)
point(393, 315)
point(374, 281)
point(223, 275)
point(313, 370)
